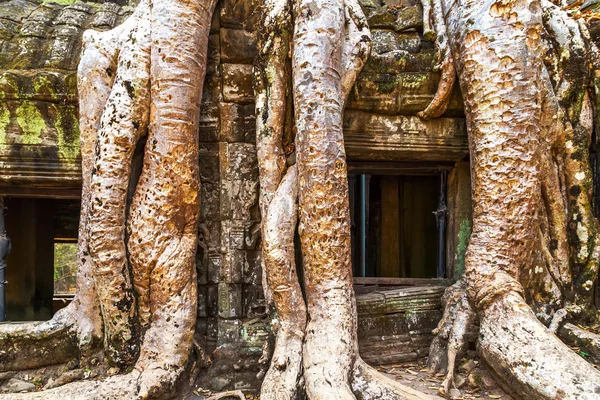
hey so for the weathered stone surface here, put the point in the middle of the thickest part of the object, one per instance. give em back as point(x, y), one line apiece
point(233, 266)
point(106, 16)
point(399, 20)
point(237, 123)
point(401, 138)
point(385, 41)
point(238, 46)
point(240, 14)
point(404, 93)
point(400, 61)
point(254, 301)
point(237, 83)
point(400, 300)
point(395, 325)
point(232, 122)
point(202, 301)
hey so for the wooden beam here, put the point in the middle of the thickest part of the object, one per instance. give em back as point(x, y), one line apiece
point(390, 227)
point(41, 192)
point(403, 281)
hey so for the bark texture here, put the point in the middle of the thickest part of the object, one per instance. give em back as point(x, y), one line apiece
point(136, 284)
point(331, 42)
point(524, 71)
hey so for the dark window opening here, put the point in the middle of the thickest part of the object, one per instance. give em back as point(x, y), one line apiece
point(395, 230)
point(42, 264)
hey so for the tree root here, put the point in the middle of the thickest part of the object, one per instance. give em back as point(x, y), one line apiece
point(369, 384)
point(116, 387)
point(586, 341)
point(38, 344)
point(124, 120)
point(441, 99)
point(114, 84)
point(515, 344)
point(451, 334)
point(230, 393)
point(283, 377)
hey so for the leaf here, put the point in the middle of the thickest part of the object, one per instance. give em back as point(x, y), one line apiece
point(584, 354)
point(494, 396)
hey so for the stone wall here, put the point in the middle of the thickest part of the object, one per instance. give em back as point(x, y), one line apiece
point(40, 45)
point(231, 301)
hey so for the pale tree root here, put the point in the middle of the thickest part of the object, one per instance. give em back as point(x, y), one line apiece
point(278, 202)
point(229, 393)
point(369, 384)
point(438, 351)
point(441, 99)
point(76, 330)
point(163, 216)
point(38, 344)
point(528, 359)
point(586, 341)
point(451, 334)
point(283, 377)
point(327, 360)
point(124, 120)
point(332, 367)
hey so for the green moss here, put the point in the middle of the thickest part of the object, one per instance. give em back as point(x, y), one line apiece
point(67, 129)
point(388, 84)
point(464, 235)
point(61, 2)
point(4, 121)
point(43, 85)
point(31, 122)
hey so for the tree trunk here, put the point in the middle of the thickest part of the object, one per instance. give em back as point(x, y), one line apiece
point(136, 284)
point(519, 136)
point(330, 45)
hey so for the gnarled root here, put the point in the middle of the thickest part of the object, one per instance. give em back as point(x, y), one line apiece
point(451, 333)
point(586, 341)
point(278, 201)
point(534, 362)
point(38, 344)
point(369, 384)
point(230, 393)
point(283, 377)
point(329, 51)
point(441, 99)
point(166, 40)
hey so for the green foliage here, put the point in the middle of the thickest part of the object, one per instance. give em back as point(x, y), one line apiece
point(65, 267)
point(464, 235)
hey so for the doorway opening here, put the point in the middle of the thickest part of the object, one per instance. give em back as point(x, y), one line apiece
point(398, 224)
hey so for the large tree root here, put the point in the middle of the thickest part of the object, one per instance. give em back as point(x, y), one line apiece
point(142, 280)
point(438, 105)
point(38, 344)
point(330, 48)
point(450, 339)
point(500, 59)
point(278, 201)
point(528, 359)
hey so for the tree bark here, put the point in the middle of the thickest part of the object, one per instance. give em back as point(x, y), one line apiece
point(499, 56)
point(144, 76)
point(330, 45)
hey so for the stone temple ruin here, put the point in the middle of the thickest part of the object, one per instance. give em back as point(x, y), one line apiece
point(409, 179)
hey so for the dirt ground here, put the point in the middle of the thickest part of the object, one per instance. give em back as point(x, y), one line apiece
point(472, 379)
